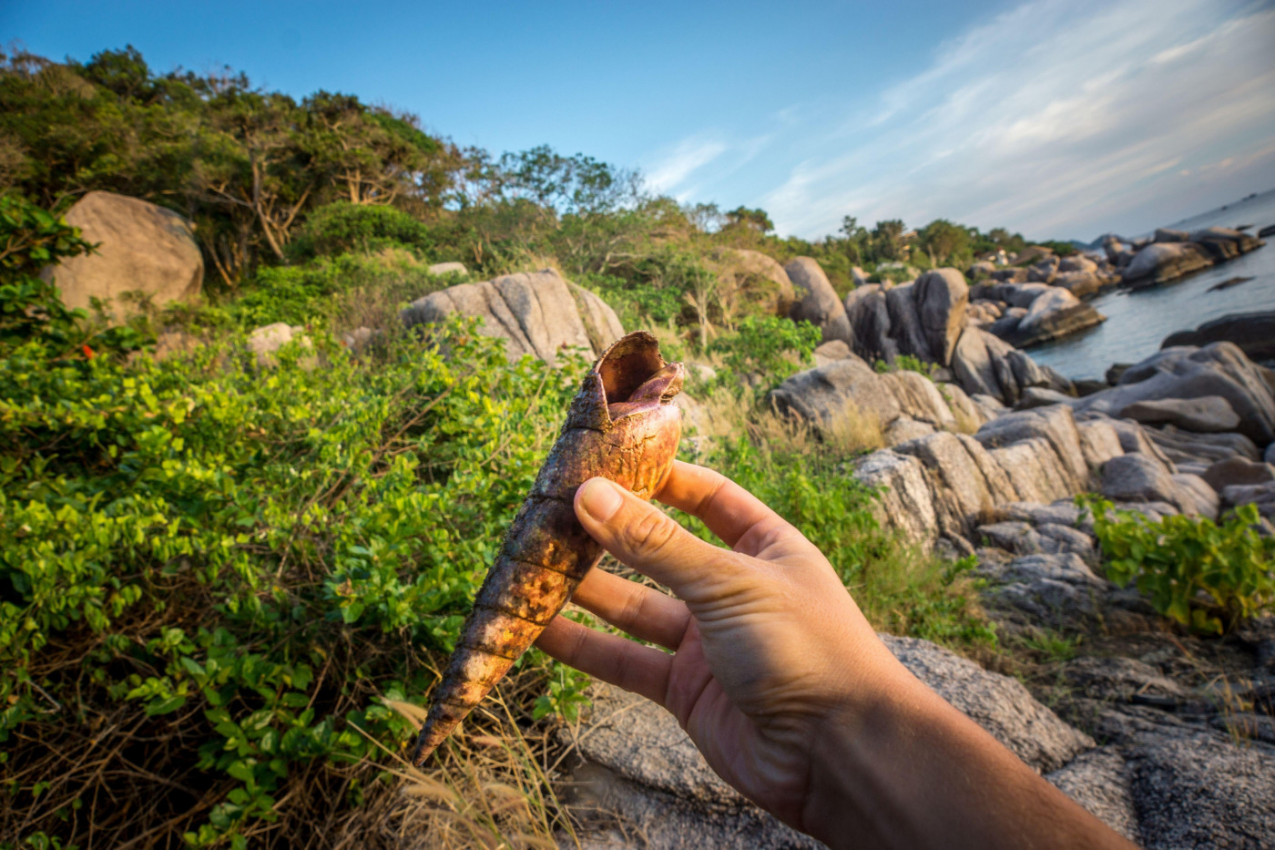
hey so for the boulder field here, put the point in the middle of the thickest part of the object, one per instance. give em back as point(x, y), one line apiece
point(1168, 739)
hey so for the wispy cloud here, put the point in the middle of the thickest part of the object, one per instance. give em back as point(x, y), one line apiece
point(1055, 118)
point(671, 168)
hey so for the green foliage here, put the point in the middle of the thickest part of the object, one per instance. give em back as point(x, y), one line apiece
point(248, 166)
point(771, 347)
point(908, 363)
point(343, 228)
point(899, 589)
point(30, 239)
point(1203, 575)
point(244, 556)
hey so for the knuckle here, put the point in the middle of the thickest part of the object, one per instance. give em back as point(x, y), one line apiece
point(651, 532)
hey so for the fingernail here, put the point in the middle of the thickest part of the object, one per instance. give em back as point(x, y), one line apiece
point(600, 499)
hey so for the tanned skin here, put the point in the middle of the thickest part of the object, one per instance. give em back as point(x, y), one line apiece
point(786, 689)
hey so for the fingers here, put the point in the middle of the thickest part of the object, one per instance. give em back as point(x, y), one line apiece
point(641, 611)
point(612, 659)
point(739, 519)
point(641, 536)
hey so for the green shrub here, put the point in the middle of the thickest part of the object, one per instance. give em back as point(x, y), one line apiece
point(768, 346)
point(908, 363)
point(344, 227)
point(237, 565)
point(900, 589)
point(1199, 573)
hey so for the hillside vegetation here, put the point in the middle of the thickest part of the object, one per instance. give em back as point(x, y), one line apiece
point(221, 583)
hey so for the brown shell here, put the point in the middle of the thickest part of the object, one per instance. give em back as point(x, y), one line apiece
point(547, 552)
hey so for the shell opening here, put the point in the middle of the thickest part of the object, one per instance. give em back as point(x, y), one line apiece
point(628, 364)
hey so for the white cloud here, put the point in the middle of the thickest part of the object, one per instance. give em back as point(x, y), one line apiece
point(1055, 118)
point(670, 169)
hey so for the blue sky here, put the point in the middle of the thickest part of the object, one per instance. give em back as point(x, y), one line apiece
point(1059, 119)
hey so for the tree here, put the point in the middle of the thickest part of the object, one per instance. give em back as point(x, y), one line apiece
point(755, 220)
point(887, 240)
point(946, 243)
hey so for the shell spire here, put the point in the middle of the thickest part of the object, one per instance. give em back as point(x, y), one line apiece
point(623, 425)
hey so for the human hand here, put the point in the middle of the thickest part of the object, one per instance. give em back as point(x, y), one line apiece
point(785, 688)
point(770, 652)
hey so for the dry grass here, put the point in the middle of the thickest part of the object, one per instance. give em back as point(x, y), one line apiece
point(119, 779)
point(489, 786)
point(728, 414)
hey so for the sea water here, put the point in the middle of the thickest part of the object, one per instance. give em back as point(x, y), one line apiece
point(1137, 322)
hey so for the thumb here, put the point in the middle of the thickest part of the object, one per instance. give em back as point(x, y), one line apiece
point(643, 537)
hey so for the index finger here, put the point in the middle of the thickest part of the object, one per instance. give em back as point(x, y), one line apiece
point(738, 518)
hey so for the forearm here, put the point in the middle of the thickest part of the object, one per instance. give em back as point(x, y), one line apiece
point(905, 769)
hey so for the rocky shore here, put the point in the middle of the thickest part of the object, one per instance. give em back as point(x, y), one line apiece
point(1168, 738)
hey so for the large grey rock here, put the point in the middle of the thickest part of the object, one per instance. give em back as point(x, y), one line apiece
point(905, 502)
point(1099, 442)
point(965, 481)
point(839, 391)
point(1192, 447)
point(1138, 478)
point(601, 324)
point(1254, 333)
point(986, 364)
point(1208, 413)
point(1058, 590)
point(905, 322)
point(537, 313)
point(941, 298)
point(1077, 263)
point(1260, 495)
point(869, 319)
point(1165, 261)
point(999, 704)
point(761, 281)
point(1054, 430)
point(1223, 243)
point(816, 301)
point(1199, 790)
point(1081, 284)
point(1219, 369)
point(640, 771)
point(1054, 313)
point(831, 350)
point(1099, 781)
point(1237, 470)
point(919, 398)
point(143, 250)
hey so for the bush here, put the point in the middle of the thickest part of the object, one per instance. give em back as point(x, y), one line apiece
point(217, 573)
point(771, 347)
point(907, 363)
point(1203, 575)
point(343, 228)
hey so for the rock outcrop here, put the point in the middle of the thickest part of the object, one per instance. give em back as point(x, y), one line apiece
point(816, 301)
point(1219, 370)
point(1175, 253)
point(761, 281)
point(845, 395)
point(1254, 333)
point(146, 255)
point(639, 774)
point(538, 313)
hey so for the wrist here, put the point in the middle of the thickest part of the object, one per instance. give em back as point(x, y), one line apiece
point(861, 758)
